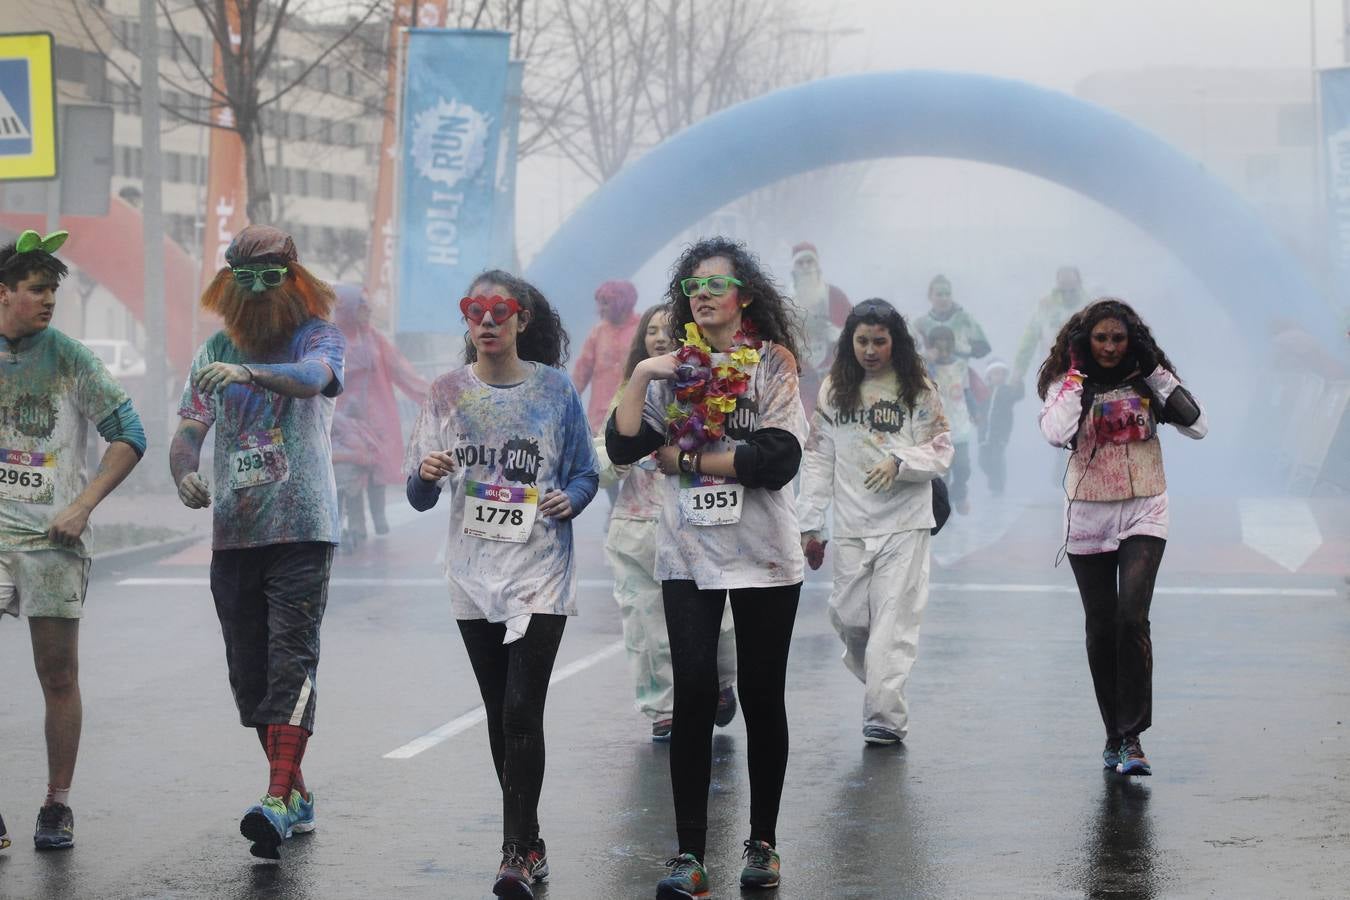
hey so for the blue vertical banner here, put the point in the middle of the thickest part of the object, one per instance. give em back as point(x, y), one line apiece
point(1335, 91)
point(453, 109)
point(504, 222)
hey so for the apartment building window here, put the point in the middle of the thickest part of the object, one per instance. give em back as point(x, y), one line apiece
point(326, 185)
point(302, 182)
point(173, 167)
point(127, 162)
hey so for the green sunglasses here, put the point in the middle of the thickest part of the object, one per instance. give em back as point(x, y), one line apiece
point(259, 278)
point(717, 285)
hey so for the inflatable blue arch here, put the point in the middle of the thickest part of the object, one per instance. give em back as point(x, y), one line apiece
point(943, 114)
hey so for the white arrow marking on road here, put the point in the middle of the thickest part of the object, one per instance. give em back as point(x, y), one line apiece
point(1280, 529)
point(473, 717)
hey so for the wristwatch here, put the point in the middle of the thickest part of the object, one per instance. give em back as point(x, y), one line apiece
point(686, 462)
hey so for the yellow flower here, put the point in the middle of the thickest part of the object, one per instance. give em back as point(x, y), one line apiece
point(745, 356)
point(694, 338)
point(722, 404)
point(724, 370)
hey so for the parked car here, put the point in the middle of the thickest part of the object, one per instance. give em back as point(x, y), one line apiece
point(121, 357)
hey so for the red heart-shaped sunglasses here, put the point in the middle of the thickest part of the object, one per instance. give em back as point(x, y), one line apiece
point(496, 308)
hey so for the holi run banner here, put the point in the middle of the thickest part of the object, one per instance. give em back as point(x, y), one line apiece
point(226, 180)
point(504, 214)
point(380, 257)
point(1336, 150)
point(453, 102)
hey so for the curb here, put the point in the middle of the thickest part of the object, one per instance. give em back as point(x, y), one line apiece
point(144, 553)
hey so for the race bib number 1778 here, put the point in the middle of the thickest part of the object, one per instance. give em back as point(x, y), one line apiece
point(499, 512)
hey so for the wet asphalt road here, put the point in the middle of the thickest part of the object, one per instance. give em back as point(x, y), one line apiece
point(998, 793)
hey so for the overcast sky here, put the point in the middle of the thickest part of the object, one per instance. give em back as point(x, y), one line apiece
point(1057, 42)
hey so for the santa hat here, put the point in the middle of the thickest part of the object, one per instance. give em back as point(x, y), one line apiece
point(805, 248)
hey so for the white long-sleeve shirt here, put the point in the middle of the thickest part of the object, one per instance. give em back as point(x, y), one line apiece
point(845, 444)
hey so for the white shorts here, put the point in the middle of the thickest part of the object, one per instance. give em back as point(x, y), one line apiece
point(43, 583)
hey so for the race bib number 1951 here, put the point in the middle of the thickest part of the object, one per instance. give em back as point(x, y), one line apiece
point(710, 499)
point(499, 512)
point(260, 459)
point(27, 477)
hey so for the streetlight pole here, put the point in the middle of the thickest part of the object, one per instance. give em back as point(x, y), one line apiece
point(152, 235)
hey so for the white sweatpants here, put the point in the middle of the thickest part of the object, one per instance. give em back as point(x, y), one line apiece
point(631, 548)
point(880, 590)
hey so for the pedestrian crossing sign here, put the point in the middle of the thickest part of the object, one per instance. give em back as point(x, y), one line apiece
point(27, 107)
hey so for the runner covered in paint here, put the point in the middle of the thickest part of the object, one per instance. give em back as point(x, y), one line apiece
point(632, 555)
point(1107, 386)
point(51, 388)
point(951, 374)
point(508, 435)
point(878, 440)
point(725, 419)
point(267, 384)
point(1052, 311)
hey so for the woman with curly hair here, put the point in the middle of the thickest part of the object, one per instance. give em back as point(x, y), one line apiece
point(879, 438)
point(508, 434)
point(1107, 386)
point(724, 418)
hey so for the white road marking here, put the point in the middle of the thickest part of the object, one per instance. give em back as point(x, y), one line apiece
point(475, 716)
point(956, 587)
point(1281, 529)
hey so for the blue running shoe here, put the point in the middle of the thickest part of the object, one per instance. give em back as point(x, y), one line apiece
point(1132, 758)
point(688, 880)
point(55, 828)
point(1111, 753)
point(4, 835)
point(879, 736)
point(299, 814)
point(265, 824)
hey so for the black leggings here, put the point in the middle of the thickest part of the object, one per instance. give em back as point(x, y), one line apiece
point(513, 679)
point(764, 619)
point(1117, 591)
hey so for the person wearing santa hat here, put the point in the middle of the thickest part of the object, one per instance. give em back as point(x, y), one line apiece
point(824, 309)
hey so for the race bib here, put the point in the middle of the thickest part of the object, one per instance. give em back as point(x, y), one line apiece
point(710, 499)
point(498, 512)
point(27, 477)
point(260, 459)
point(1122, 417)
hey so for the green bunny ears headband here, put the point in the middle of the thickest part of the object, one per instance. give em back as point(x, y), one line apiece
point(30, 240)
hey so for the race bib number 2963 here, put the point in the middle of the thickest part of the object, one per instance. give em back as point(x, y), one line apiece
point(27, 477)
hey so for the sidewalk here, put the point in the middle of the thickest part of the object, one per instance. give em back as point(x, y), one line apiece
point(130, 519)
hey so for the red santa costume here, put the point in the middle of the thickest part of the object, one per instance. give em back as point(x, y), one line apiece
point(824, 309)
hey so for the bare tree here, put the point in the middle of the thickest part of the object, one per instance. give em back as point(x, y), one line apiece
point(246, 49)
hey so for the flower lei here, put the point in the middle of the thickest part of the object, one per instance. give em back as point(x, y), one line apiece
point(706, 393)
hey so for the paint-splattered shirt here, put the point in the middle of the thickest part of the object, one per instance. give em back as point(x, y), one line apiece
point(951, 379)
point(845, 444)
point(763, 548)
point(272, 479)
point(51, 388)
point(512, 444)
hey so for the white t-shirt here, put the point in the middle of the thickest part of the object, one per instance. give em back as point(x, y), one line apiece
point(764, 548)
point(845, 444)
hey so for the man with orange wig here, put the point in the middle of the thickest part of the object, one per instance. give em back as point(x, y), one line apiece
point(267, 382)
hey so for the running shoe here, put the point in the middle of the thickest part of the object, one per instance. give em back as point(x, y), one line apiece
point(513, 875)
point(726, 707)
point(4, 835)
point(1132, 758)
point(1111, 753)
point(688, 880)
point(761, 865)
point(881, 737)
point(299, 813)
point(536, 859)
point(265, 824)
point(661, 729)
point(55, 828)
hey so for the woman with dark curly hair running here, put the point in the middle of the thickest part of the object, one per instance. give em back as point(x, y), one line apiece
point(724, 417)
point(507, 435)
point(1107, 386)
